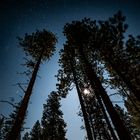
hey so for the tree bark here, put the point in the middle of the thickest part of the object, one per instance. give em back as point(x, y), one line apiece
point(92, 127)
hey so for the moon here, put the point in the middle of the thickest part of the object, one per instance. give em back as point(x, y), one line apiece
point(86, 91)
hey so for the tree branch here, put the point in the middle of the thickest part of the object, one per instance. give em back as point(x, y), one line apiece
point(113, 94)
point(3, 101)
point(21, 87)
point(117, 101)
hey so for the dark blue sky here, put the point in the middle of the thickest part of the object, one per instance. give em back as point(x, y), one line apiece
point(20, 16)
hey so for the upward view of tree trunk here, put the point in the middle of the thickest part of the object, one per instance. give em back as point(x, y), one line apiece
point(38, 51)
point(15, 131)
point(80, 38)
point(106, 118)
point(87, 125)
point(97, 86)
point(97, 114)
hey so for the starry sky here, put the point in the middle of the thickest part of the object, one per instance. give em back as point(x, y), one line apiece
point(18, 17)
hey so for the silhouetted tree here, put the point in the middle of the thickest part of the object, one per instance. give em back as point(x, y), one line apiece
point(26, 136)
point(40, 46)
point(35, 133)
point(53, 125)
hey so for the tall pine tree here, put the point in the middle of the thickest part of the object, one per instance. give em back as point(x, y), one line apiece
point(35, 133)
point(53, 125)
point(40, 46)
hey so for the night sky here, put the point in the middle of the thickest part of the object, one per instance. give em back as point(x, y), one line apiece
point(18, 17)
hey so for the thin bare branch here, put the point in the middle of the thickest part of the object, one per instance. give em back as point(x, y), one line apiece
point(113, 94)
point(8, 102)
point(21, 87)
point(118, 101)
point(4, 117)
point(107, 86)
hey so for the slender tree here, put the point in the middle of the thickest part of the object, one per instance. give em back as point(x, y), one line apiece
point(40, 46)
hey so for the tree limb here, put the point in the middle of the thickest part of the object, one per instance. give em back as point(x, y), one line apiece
point(3, 101)
point(21, 87)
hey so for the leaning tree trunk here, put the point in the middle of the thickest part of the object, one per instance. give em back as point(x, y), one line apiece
point(16, 128)
point(87, 125)
point(98, 88)
point(90, 112)
point(106, 118)
point(92, 127)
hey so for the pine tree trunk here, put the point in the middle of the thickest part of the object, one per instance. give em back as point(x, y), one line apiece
point(87, 125)
point(98, 88)
point(92, 127)
point(106, 118)
point(15, 131)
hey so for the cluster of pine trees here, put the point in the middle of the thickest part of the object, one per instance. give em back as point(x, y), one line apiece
point(96, 57)
point(92, 51)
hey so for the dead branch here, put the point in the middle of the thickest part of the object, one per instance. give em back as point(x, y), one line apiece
point(8, 102)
